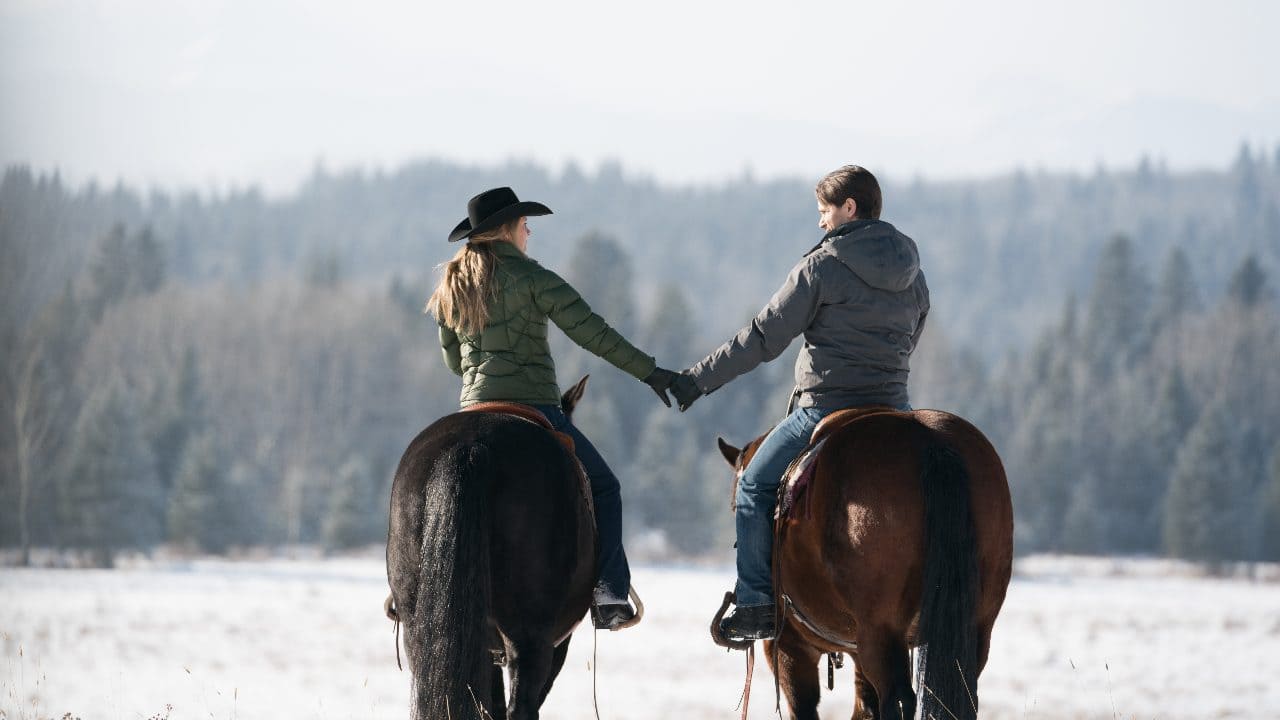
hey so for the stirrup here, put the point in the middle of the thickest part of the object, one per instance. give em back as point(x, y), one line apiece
point(760, 622)
point(602, 623)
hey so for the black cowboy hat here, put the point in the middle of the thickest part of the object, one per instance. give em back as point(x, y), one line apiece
point(491, 209)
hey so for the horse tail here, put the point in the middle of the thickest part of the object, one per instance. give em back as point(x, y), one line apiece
point(948, 628)
point(451, 677)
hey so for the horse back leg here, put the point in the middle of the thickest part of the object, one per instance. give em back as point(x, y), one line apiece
point(557, 663)
point(884, 663)
point(866, 703)
point(498, 693)
point(531, 674)
point(796, 668)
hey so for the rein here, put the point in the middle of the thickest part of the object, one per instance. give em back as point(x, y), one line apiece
point(749, 645)
point(595, 701)
point(595, 634)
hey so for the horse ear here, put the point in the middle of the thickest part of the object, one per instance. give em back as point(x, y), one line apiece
point(573, 395)
point(729, 452)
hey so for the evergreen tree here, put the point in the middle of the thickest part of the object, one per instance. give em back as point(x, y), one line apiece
point(177, 413)
point(407, 298)
point(109, 272)
point(124, 266)
point(148, 267)
point(605, 426)
point(352, 518)
point(200, 513)
point(660, 493)
point(248, 492)
point(669, 333)
point(1248, 185)
point(1047, 473)
point(1248, 285)
point(602, 272)
point(1083, 526)
point(1200, 522)
point(110, 498)
point(1176, 293)
point(1172, 416)
point(1117, 307)
point(323, 269)
point(1118, 452)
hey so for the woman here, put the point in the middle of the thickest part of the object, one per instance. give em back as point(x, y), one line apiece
point(492, 306)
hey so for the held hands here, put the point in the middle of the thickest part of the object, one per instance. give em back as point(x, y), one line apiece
point(685, 391)
point(681, 386)
point(660, 381)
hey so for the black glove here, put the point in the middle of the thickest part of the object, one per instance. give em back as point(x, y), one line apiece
point(660, 380)
point(685, 390)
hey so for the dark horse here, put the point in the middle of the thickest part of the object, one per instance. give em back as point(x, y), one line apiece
point(904, 539)
point(491, 550)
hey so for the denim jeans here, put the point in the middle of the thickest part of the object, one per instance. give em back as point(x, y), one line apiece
point(612, 573)
point(758, 495)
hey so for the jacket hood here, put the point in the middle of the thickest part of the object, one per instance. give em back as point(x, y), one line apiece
point(876, 252)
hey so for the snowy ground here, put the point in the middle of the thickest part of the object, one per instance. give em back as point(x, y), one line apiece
point(307, 639)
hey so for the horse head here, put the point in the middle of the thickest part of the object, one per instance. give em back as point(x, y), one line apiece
point(738, 460)
point(572, 396)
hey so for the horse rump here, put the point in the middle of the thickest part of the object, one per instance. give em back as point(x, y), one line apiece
point(948, 632)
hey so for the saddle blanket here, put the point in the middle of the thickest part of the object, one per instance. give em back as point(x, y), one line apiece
point(796, 480)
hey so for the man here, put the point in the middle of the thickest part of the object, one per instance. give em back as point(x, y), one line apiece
point(860, 300)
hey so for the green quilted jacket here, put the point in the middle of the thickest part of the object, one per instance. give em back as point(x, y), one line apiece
point(510, 359)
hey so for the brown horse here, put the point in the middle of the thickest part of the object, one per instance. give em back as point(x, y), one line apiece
point(905, 541)
point(491, 551)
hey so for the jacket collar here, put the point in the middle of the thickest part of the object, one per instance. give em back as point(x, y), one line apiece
point(849, 227)
point(846, 229)
point(502, 248)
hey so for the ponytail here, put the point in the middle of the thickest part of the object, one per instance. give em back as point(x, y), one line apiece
point(461, 300)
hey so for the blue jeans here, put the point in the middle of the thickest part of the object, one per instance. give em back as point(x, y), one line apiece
point(758, 495)
point(612, 572)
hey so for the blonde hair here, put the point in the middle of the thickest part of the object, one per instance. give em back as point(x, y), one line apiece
point(461, 300)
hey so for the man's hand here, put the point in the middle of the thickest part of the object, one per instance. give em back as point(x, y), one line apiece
point(685, 391)
point(660, 381)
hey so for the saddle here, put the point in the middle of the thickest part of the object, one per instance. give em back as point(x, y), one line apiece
point(841, 418)
point(796, 479)
point(524, 412)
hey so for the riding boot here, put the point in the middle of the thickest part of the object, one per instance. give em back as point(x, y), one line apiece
point(611, 616)
point(750, 623)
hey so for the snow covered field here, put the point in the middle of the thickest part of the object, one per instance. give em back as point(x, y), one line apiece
point(307, 639)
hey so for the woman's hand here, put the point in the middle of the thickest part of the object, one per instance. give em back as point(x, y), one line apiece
point(660, 380)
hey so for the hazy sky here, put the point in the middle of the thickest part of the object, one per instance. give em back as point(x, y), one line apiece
point(208, 94)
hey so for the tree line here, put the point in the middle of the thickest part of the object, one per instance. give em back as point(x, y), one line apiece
point(215, 373)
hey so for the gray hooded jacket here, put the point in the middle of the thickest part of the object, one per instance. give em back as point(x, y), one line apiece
point(860, 300)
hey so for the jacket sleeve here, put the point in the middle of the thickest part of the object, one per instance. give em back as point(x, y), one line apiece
point(924, 311)
point(790, 311)
point(566, 308)
point(452, 349)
